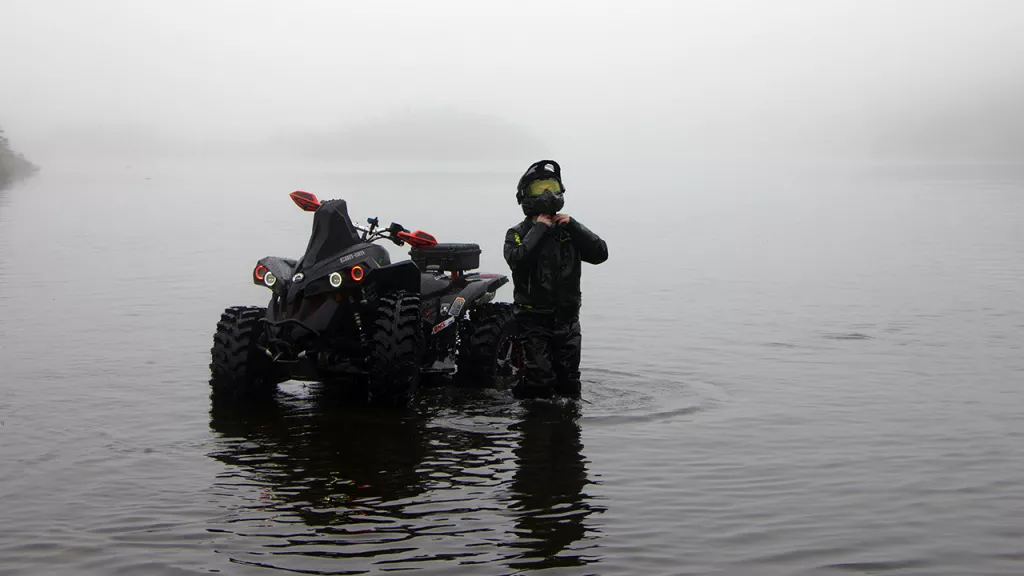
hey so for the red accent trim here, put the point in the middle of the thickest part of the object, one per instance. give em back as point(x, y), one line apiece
point(260, 272)
point(305, 200)
point(418, 239)
point(357, 273)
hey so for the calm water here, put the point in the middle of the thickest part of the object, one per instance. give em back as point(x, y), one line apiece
point(784, 373)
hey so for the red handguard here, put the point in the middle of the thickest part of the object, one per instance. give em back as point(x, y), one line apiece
point(418, 239)
point(305, 200)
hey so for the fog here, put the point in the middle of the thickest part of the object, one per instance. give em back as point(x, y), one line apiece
point(917, 81)
point(802, 356)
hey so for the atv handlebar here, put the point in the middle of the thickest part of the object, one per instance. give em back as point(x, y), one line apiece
point(395, 232)
point(390, 233)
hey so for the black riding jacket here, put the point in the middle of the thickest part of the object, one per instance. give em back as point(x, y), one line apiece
point(546, 264)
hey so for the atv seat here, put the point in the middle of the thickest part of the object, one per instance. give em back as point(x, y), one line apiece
point(432, 284)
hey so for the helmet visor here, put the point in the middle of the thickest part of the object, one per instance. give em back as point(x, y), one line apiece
point(538, 187)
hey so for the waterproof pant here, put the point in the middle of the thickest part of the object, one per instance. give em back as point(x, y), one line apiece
point(551, 347)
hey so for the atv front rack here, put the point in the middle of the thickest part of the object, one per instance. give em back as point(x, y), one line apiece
point(299, 323)
point(282, 346)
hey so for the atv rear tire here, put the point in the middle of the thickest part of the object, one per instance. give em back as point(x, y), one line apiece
point(239, 369)
point(396, 347)
point(489, 351)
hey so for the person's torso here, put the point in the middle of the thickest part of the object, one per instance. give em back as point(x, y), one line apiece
point(551, 278)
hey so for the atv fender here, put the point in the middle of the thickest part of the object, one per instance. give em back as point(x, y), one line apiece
point(283, 268)
point(401, 276)
point(473, 293)
point(493, 281)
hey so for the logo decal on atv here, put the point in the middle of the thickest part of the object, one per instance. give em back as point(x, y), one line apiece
point(298, 277)
point(348, 257)
point(457, 306)
point(443, 325)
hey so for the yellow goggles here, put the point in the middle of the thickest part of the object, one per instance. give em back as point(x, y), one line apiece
point(538, 187)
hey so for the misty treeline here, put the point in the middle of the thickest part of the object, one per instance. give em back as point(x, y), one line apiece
point(13, 166)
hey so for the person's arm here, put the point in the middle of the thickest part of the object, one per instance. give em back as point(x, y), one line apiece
point(591, 247)
point(519, 249)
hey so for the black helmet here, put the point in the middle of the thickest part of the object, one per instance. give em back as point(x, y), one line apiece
point(546, 177)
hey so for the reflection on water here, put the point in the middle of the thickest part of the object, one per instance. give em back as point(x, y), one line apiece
point(469, 478)
point(548, 486)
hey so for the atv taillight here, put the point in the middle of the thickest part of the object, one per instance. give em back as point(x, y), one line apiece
point(357, 273)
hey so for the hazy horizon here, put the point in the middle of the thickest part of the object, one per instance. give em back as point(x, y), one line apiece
point(876, 80)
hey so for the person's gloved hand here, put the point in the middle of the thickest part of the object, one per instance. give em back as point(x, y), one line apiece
point(544, 219)
point(562, 219)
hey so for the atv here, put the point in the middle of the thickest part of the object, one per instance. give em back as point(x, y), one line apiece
point(345, 315)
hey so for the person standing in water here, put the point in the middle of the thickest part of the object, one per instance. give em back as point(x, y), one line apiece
point(545, 252)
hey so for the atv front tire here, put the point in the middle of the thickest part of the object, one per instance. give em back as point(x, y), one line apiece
point(489, 351)
point(396, 347)
point(239, 369)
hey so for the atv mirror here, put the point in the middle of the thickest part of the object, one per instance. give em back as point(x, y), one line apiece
point(305, 200)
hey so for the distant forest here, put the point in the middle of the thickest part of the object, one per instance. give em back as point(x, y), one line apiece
point(13, 166)
point(433, 134)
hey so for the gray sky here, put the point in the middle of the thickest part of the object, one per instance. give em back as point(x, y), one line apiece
point(710, 74)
